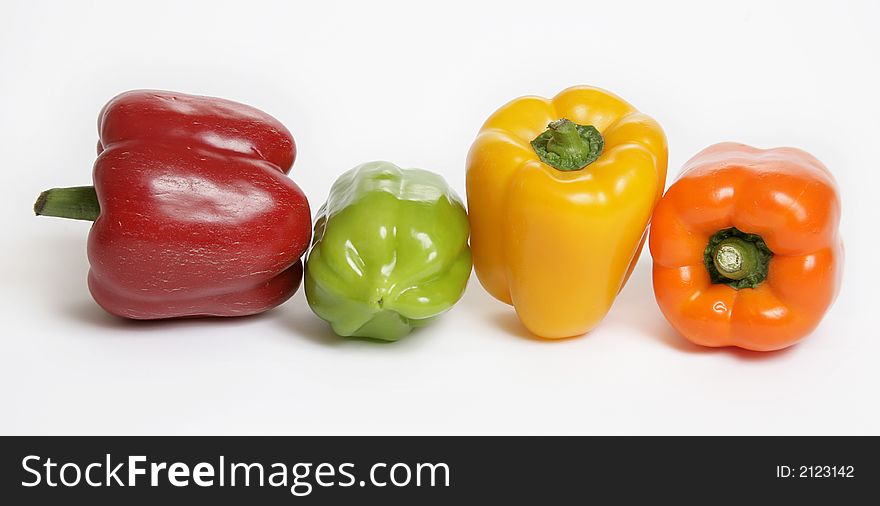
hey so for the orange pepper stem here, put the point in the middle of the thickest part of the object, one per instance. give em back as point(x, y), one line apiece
point(567, 146)
point(76, 203)
point(737, 259)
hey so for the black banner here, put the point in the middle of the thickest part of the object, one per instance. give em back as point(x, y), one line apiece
point(435, 470)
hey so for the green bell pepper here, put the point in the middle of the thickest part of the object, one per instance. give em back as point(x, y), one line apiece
point(390, 252)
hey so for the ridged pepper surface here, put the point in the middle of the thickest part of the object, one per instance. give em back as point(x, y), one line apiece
point(560, 192)
point(194, 214)
point(390, 252)
point(746, 247)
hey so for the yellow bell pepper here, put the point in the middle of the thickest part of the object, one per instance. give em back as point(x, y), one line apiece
point(560, 193)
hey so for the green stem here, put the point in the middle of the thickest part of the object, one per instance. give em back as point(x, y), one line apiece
point(737, 259)
point(76, 203)
point(568, 146)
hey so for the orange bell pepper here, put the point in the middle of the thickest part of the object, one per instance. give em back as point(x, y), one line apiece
point(560, 192)
point(746, 247)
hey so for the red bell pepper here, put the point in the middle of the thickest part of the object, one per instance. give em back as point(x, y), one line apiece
point(193, 212)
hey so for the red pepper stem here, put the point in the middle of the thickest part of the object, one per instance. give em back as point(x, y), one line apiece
point(76, 203)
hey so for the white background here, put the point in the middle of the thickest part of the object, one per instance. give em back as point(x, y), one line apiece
point(411, 83)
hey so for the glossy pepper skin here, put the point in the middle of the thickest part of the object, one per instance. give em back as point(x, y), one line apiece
point(390, 252)
point(197, 216)
point(558, 243)
point(785, 203)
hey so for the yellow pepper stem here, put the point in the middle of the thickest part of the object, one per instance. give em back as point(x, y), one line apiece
point(567, 146)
